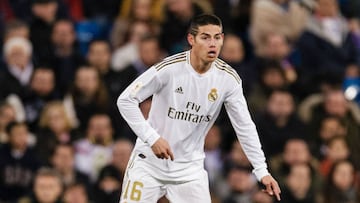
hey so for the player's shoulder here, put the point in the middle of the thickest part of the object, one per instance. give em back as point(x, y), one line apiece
point(172, 60)
point(226, 69)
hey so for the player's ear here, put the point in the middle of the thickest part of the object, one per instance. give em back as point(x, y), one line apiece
point(190, 39)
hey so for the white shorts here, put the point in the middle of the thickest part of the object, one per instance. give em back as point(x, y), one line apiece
point(141, 187)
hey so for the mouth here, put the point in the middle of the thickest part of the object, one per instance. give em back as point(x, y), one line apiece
point(212, 54)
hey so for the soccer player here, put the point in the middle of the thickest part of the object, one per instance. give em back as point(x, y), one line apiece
point(188, 90)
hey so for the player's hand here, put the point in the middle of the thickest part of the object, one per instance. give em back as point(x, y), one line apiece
point(271, 186)
point(161, 149)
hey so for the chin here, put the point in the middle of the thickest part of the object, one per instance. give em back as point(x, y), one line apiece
point(211, 59)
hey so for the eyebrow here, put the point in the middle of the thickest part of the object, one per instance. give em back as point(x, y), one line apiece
point(207, 34)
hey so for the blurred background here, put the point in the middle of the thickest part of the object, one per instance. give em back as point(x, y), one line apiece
point(64, 63)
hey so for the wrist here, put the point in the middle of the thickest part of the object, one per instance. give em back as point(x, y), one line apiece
point(260, 173)
point(152, 139)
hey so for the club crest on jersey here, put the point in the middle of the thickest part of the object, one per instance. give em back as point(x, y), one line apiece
point(212, 96)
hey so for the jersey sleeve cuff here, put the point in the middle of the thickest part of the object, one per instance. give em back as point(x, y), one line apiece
point(260, 173)
point(152, 138)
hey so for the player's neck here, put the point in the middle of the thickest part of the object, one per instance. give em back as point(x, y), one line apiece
point(199, 65)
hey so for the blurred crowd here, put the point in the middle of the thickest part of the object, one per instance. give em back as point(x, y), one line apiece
point(64, 63)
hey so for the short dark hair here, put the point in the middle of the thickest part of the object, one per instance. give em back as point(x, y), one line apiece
point(106, 42)
point(66, 145)
point(15, 24)
point(48, 172)
point(13, 125)
point(201, 20)
point(149, 37)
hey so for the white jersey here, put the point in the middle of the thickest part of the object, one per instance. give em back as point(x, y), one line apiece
point(185, 104)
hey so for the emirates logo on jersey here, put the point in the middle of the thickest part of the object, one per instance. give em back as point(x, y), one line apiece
point(212, 96)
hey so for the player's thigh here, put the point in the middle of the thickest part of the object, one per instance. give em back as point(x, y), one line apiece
point(196, 191)
point(140, 187)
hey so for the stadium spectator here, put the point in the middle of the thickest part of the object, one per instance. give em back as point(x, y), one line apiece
point(284, 17)
point(148, 11)
point(336, 150)
point(149, 52)
point(326, 48)
point(278, 48)
point(128, 53)
point(234, 157)
point(65, 56)
point(235, 16)
point(18, 67)
point(330, 127)
point(233, 53)
point(279, 123)
point(340, 184)
point(174, 28)
point(334, 103)
point(242, 184)
point(87, 96)
point(296, 151)
point(40, 91)
point(108, 185)
point(44, 14)
point(55, 127)
point(121, 154)
point(76, 193)
point(63, 161)
point(94, 152)
point(99, 56)
point(271, 77)
point(298, 184)
point(13, 28)
point(47, 188)
point(18, 164)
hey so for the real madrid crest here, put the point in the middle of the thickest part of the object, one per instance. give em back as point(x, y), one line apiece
point(212, 96)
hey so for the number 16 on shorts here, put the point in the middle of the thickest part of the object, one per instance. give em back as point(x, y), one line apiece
point(133, 191)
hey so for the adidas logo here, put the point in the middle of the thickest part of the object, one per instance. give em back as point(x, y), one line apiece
point(179, 90)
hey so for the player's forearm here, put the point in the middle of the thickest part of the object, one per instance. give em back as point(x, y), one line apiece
point(247, 135)
point(250, 143)
point(257, 159)
point(130, 111)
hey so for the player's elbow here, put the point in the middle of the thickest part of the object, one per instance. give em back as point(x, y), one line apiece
point(122, 102)
point(125, 101)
